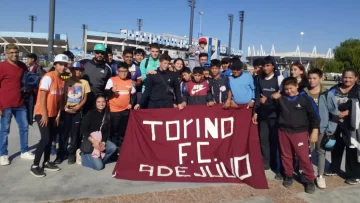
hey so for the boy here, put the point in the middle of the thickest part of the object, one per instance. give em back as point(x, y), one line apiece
point(297, 114)
point(258, 64)
point(198, 91)
point(219, 84)
point(314, 90)
point(76, 90)
point(203, 60)
point(194, 53)
point(186, 77)
point(242, 89)
point(225, 65)
point(136, 72)
point(47, 114)
point(207, 75)
point(122, 97)
point(265, 115)
point(149, 65)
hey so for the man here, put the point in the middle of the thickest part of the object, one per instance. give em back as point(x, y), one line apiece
point(136, 72)
point(32, 62)
point(149, 65)
point(194, 53)
point(12, 103)
point(111, 62)
point(225, 65)
point(97, 72)
point(203, 60)
point(161, 88)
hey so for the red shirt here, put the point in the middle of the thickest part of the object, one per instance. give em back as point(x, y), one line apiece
point(10, 84)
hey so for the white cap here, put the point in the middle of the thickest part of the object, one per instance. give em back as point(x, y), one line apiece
point(61, 58)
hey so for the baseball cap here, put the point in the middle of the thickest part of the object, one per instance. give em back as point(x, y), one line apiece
point(61, 58)
point(76, 65)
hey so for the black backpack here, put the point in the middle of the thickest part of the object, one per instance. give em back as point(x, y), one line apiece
point(40, 71)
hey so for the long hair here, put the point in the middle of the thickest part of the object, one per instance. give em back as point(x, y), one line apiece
point(176, 60)
point(302, 68)
point(106, 126)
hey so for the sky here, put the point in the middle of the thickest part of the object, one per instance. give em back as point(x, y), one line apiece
point(325, 23)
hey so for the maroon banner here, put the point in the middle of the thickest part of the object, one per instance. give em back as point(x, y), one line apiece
point(197, 144)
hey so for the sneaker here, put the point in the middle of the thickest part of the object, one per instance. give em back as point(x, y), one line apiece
point(320, 182)
point(310, 187)
point(288, 181)
point(267, 168)
point(329, 173)
point(58, 160)
point(4, 160)
point(352, 181)
point(50, 166)
point(71, 159)
point(27, 155)
point(53, 150)
point(37, 172)
point(278, 176)
point(78, 156)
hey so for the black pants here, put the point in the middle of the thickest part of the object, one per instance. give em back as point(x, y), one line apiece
point(269, 142)
point(119, 122)
point(160, 105)
point(352, 166)
point(46, 133)
point(70, 136)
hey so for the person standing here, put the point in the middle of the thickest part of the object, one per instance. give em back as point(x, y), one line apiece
point(97, 72)
point(111, 62)
point(219, 84)
point(12, 103)
point(297, 71)
point(194, 53)
point(32, 62)
point(135, 72)
point(47, 114)
point(225, 65)
point(149, 65)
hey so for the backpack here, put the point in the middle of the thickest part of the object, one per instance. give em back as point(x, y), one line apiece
point(146, 63)
point(40, 71)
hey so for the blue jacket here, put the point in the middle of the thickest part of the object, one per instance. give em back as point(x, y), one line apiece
point(328, 110)
point(30, 82)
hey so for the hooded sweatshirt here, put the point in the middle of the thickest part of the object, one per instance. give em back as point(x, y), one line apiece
point(197, 93)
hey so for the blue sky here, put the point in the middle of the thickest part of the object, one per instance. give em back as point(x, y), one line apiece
point(325, 22)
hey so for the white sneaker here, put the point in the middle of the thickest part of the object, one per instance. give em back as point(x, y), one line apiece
point(78, 157)
point(27, 155)
point(4, 160)
point(320, 182)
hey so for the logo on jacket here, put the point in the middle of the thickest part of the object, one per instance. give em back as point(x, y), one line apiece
point(298, 106)
point(102, 71)
point(197, 88)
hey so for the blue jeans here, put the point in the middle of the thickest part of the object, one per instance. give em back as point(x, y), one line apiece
point(97, 163)
point(20, 114)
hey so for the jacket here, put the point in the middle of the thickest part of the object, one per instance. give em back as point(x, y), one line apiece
point(297, 113)
point(197, 93)
point(219, 89)
point(355, 126)
point(30, 82)
point(328, 111)
point(147, 65)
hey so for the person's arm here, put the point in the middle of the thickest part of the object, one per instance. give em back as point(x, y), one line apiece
point(86, 92)
point(312, 112)
point(132, 96)
point(138, 77)
point(1, 79)
point(257, 96)
point(85, 125)
point(252, 87)
point(109, 88)
point(192, 50)
point(145, 96)
point(177, 91)
point(143, 70)
point(209, 96)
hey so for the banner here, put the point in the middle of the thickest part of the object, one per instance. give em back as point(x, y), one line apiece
point(196, 144)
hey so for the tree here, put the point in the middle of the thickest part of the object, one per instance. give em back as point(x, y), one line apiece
point(318, 63)
point(333, 66)
point(349, 53)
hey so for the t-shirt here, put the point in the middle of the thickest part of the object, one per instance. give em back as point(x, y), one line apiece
point(120, 100)
point(54, 86)
point(315, 97)
point(75, 91)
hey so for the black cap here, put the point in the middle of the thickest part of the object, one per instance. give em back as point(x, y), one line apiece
point(225, 60)
point(32, 56)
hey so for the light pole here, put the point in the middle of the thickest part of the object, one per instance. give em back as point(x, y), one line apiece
point(84, 28)
point(231, 18)
point(139, 24)
point(191, 3)
point(32, 18)
point(201, 13)
point(302, 39)
point(241, 18)
point(51, 30)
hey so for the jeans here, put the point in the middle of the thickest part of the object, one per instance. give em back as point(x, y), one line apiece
point(20, 114)
point(97, 163)
point(46, 133)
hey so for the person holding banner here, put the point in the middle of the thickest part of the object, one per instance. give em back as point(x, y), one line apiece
point(161, 88)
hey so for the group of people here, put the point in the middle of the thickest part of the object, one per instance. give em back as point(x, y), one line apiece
point(87, 105)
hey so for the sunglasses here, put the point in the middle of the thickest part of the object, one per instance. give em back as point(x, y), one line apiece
point(100, 52)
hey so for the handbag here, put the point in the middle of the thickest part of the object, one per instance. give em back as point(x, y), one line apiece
point(97, 135)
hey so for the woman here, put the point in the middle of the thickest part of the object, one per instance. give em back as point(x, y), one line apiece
point(179, 64)
point(96, 120)
point(297, 71)
point(337, 113)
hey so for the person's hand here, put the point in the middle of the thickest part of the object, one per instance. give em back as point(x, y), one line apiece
point(211, 103)
point(183, 104)
point(152, 72)
point(181, 107)
point(227, 104)
point(276, 95)
point(44, 120)
point(76, 108)
point(102, 146)
point(342, 114)
point(254, 119)
point(96, 145)
point(263, 99)
point(129, 107)
point(175, 106)
point(57, 120)
point(1, 112)
point(137, 106)
point(251, 104)
point(114, 89)
point(313, 137)
point(134, 83)
point(71, 111)
point(233, 105)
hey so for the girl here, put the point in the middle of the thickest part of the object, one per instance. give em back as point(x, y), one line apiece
point(297, 71)
point(96, 121)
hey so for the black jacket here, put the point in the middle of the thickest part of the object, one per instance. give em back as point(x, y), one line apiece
point(219, 88)
point(161, 88)
point(297, 113)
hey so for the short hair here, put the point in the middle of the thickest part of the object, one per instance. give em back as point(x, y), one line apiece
point(198, 70)
point(12, 46)
point(165, 57)
point(109, 51)
point(139, 51)
point(207, 69)
point(215, 62)
point(154, 46)
point(269, 60)
point(258, 62)
point(203, 55)
point(235, 58)
point(237, 65)
point(289, 81)
point(69, 54)
point(316, 71)
point(32, 56)
point(225, 60)
point(122, 65)
point(127, 51)
point(186, 70)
